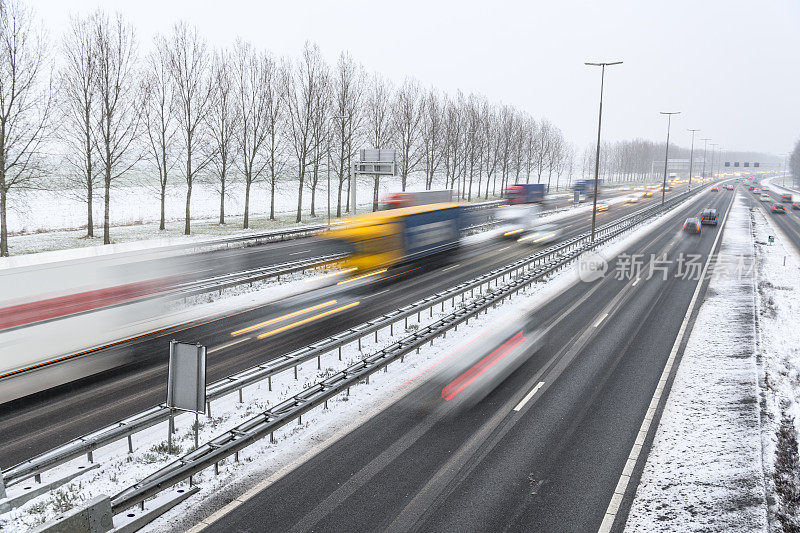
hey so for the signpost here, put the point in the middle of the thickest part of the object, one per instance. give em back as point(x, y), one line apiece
point(374, 162)
point(186, 384)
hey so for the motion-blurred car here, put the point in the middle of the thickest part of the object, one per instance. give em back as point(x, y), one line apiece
point(631, 199)
point(709, 217)
point(692, 225)
point(477, 367)
point(786, 197)
point(766, 198)
point(778, 208)
point(647, 194)
point(728, 187)
point(750, 188)
point(602, 206)
point(715, 188)
point(541, 235)
point(796, 205)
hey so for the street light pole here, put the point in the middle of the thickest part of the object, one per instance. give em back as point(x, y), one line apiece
point(713, 155)
point(691, 158)
point(599, 124)
point(666, 156)
point(705, 146)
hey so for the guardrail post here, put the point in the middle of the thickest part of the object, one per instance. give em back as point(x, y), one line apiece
point(340, 353)
point(130, 443)
point(319, 362)
point(241, 400)
point(2, 487)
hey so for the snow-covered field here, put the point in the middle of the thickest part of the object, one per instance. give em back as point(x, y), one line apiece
point(704, 471)
point(55, 220)
point(264, 460)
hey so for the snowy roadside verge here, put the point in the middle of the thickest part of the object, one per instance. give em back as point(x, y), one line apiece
point(704, 471)
point(778, 323)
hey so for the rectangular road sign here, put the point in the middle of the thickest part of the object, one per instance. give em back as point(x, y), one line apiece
point(186, 385)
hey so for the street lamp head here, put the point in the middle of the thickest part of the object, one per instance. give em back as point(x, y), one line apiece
point(690, 129)
point(670, 112)
point(606, 64)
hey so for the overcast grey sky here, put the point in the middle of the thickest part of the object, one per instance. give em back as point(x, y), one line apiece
point(730, 67)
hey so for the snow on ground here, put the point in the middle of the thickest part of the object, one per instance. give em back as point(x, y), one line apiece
point(778, 324)
point(294, 442)
point(704, 471)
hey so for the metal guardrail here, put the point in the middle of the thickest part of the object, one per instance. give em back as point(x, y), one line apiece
point(267, 422)
point(87, 444)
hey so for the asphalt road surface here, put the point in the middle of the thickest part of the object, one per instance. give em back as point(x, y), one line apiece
point(423, 464)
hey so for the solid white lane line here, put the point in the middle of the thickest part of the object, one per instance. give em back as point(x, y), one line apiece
point(450, 267)
point(227, 345)
point(596, 324)
point(637, 281)
point(528, 396)
point(633, 456)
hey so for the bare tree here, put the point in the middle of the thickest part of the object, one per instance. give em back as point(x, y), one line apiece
point(300, 91)
point(77, 99)
point(118, 115)
point(347, 120)
point(320, 133)
point(158, 116)
point(794, 163)
point(25, 106)
point(223, 122)
point(189, 65)
point(431, 133)
point(406, 114)
point(378, 122)
point(260, 111)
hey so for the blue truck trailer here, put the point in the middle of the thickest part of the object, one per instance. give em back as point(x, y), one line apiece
point(526, 193)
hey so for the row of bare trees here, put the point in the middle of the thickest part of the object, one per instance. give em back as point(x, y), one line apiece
point(183, 110)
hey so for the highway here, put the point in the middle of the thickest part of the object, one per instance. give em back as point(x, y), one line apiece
point(550, 463)
point(789, 222)
point(86, 405)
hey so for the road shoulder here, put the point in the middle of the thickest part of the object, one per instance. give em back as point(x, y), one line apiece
point(704, 470)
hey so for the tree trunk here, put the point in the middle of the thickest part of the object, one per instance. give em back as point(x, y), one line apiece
point(3, 227)
point(300, 194)
point(375, 188)
point(247, 183)
point(272, 198)
point(222, 200)
point(187, 228)
point(339, 199)
point(107, 209)
point(89, 214)
point(162, 223)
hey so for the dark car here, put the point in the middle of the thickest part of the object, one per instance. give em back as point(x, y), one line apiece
point(709, 216)
point(778, 208)
point(750, 187)
point(796, 205)
point(786, 197)
point(715, 188)
point(729, 187)
point(692, 225)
